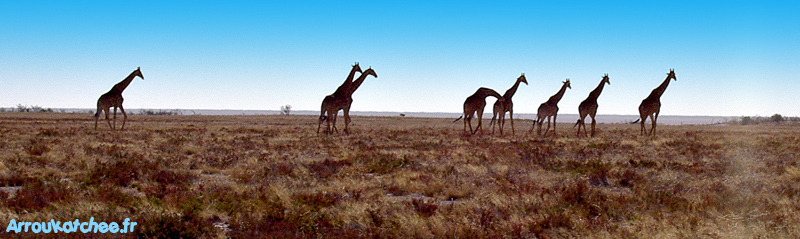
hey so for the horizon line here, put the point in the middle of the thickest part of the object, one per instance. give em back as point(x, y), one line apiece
point(306, 112)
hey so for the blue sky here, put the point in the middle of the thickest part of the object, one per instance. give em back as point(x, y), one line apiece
point(731, 58)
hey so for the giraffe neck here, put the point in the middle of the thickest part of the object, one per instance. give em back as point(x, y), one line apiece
point(511, 91)
point(658, 91)
point(596, 92)
point(347, 83)
point(119, 87)
point(357, 83)
point(557, 97)
point(486, 92)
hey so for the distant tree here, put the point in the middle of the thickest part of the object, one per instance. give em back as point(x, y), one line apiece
point(748, 121)
point(286, 109)
point(777, 118)
point(22, 108)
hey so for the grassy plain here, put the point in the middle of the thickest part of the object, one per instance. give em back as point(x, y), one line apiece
point(273, 176)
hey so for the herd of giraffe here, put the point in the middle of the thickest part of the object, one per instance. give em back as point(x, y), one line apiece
point(342, 99)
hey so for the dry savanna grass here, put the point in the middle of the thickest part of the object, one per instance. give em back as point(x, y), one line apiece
point(273, 176)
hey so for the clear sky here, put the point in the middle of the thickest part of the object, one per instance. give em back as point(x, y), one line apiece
point(731, 58)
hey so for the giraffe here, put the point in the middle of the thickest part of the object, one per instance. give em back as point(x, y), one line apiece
point(330, 101)
point(589, 106)
point(475, 103)
point(502, 106)
point(113, 98)
point(333, 103)
point(651, 105)
point(550, 108)
point(357, 83)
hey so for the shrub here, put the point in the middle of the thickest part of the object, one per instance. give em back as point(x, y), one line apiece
point(777, 118)
point(748, 121)
point(37, 194)
point(424, 207)
point(286, 109)
point(121, 172)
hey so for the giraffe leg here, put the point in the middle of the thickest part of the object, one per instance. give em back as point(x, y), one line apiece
point(480, 118)
point(653, 121)
point(328, 123)
point(465, 124)
point(124, 117)
point(548, 126)
point(320, 123)
point(108, 118)
point(555, 133)
point(539, 130)
point(346, 120)
point(469, 122)
point(500, 122)
point(641, 123)
point(106, 111)
point(532, 126)
point(511, 117)
point(96, 117)
point(593, 123)
point(336, 115)
point(582, 125)
point(321, 118)
point(115, 118)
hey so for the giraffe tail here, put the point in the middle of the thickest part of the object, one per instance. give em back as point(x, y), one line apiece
point(637, 121)
point(576, 123)
point(458, 118)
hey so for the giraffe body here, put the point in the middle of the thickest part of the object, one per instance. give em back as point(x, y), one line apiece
point(334, 102)
point(475, 104)
point(113, 98)
point(506, 105)
point(549, 109)
point(342, 101)
point(651, 106)
point(589, 106)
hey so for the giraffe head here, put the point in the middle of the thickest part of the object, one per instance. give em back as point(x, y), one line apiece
point(138, 72)
point(522, 79)
point(370, 71)
point(671, 75)
point(566, 83)
point(357, 68)
point(606, 80)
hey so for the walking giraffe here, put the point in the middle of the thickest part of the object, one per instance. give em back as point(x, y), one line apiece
point(550, 109)
point(475, 103)
point(589, 106)
point(357, 83)
point(502, 106)
point(113, 98)
point(651, 105)
point(336, 101)
point(333, 103)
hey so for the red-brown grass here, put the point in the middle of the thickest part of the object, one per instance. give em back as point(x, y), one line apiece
point(393, 177)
